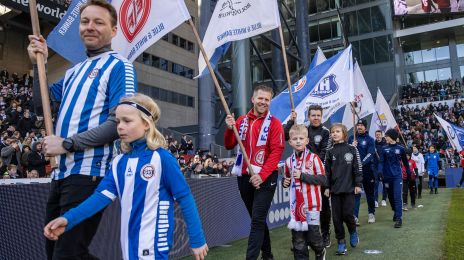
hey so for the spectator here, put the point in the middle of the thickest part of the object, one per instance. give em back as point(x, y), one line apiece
point(36, 160)
point(11, 154)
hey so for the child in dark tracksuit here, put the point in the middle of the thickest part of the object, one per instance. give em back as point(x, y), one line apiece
point(390, 160)
point(344, 180)
point(409, 185)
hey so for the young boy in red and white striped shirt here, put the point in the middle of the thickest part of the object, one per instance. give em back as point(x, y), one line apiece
point(304, 174)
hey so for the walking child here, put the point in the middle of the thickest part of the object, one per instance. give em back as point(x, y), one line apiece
point(344, 180)
point(432, 160)
point(409, 185)
point(146, 178)
point(391, 156)
point(420, 162)
point(304, 174)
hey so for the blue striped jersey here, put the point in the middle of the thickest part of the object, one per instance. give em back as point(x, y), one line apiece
point(147, 183)
point(87, 93)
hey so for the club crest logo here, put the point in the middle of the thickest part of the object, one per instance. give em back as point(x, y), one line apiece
point(259, 158)
point(348, 157)
point(382, 122)
point(298, 86)
point(233, 8)
point(94, 73)
point(147, 172)
point(317, 139)
point(327, 86)
point(133, 15)
point(451, 132)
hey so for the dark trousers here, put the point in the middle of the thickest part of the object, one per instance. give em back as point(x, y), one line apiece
point(64, 195)
point(395, 190)
point(419, 186)
point(462, 177)
point(325, 214)
point(369, 189)
point(257, 202)
point(301, 240)
point(411, 187)
point(376, 190)
point(342, 211)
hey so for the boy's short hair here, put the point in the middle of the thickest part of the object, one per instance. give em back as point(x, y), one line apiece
point(344, 130)
point(315, 107)
point(379, 131)
point(298, 129)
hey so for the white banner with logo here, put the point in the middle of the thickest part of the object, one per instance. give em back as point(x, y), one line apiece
point(335, 87)
point(383, 119)
point(234, 20)
point(363, 98)
point(143, 22)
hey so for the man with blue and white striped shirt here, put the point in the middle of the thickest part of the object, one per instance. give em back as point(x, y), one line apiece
point(86, 125)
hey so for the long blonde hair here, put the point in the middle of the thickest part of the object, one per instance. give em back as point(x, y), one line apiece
point(153, 136)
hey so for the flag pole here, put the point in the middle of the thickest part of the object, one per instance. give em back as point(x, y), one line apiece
point(221, 96)
point(287, 72)
point(47, 114)
point(353, 112)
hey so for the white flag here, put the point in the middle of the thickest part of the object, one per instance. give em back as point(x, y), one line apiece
point(363, 98)
point(318, 58)
point(455, 134)
point(143, 22)
point(383, 119)
point(334, 87)
point(234, 20)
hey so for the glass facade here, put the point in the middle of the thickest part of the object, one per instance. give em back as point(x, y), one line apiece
point(367, 20)
point(373, 50)
point(422, 52)
point(429, 75)
point(163, 64)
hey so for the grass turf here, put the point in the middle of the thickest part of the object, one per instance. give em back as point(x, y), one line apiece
point(421, 236)
point(454, 239)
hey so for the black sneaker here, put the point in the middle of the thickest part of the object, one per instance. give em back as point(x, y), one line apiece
point(431, 191)
point(436, 191)
point(398, 223)
point(267, 257)
point(321, 256)
point(326, 240)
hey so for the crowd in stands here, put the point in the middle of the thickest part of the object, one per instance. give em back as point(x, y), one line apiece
point(21, 130)
point(429, 91)
point(420, 127)
point(193, 163)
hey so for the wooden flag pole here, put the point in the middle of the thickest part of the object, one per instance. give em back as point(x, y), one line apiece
point(287, 72)
point(47, 112)
point(221, 96)
point(353, 106)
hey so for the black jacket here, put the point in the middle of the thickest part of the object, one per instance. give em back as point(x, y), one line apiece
point(319, 138)
point(343, 168)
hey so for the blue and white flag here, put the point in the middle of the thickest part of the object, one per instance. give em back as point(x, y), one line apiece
point(234, 20)
point(140, 24)
point(383, 118)
point(455, 134)
point(328, 85)
point(318, 58)
point(362, 97)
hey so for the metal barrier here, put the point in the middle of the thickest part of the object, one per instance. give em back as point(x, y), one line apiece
point(221, 151)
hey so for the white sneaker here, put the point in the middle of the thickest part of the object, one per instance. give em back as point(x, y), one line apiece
point(383, 203)
point(371, 218)
point(376, 204)
point(356, 220)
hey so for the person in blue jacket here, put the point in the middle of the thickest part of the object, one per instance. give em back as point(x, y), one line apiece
point(391, 156)
point(432, 159)
point(366, 147)
point(147, 180)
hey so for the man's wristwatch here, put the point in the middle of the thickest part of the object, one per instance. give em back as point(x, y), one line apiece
point(68, 145)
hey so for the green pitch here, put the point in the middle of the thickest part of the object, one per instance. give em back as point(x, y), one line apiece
point(422, 236)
